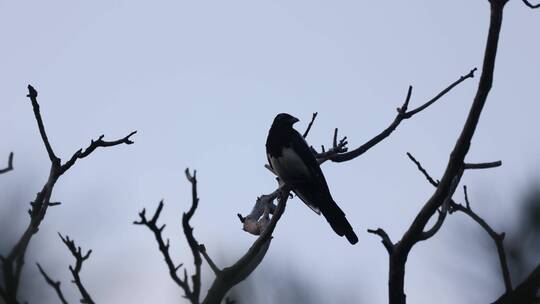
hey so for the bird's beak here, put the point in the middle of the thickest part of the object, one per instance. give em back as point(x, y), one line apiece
point(294, 120)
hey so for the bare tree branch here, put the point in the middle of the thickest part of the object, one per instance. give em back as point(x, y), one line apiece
point(455, 164)
point(529, 4)
point(191, 292)
point(164, 248)
point(13, 263)
point(484, 165)
point(54, 284)
point(453, 206)
point(227, 277)
point(438, 224)
point(402, 115)
point(76, 270)
point(192, 242)
point(232, 275)
point(94, 145)
point(497, 238)
point(337, 148)
point(421, 169)
point(32, 94)
point(210, 262)
point(385, 239)
point(310, 124)
point(9, 166)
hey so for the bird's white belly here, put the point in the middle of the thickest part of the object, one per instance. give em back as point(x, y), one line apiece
point(289, 166)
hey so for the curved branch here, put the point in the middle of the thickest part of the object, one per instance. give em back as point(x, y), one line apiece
point(451, 206)
point(402, 115)
point(497, 238)
point(533, 6)
point(455, 163)
point(230, 276)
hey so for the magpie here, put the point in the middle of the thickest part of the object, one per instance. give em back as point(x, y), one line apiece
point(292, 160)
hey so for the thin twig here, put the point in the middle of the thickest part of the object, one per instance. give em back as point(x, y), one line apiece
point(76, 270)
point(310, 124)
point(497, 238)
point(483, 165)
point(54, 284)
point(93, 146)
point(32, 94)
point(9, 166)
point(421, 169)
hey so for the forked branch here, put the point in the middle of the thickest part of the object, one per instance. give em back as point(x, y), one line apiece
point(164, 248)
point(452, 206)
point(498, 238)
point(226, 277)
point(402, 114)
point(13, 263)
point(76, 269)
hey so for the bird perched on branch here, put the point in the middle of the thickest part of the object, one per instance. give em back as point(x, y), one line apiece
point(292, 160)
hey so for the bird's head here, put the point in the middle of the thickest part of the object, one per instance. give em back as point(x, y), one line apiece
point(285, 120)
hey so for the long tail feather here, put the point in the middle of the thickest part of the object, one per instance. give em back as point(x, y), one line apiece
point(335, 216)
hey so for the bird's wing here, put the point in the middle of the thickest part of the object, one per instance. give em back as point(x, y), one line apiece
point(300, 147)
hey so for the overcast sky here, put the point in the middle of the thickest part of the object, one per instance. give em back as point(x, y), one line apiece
point(201, 81)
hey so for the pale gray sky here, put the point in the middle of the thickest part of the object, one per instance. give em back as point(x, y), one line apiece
point(202, 80)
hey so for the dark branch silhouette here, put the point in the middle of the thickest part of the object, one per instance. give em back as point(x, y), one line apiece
point(310, 124)
point(524, 293)
point(54, 284)
point(9, 166)
point(455, 167)
point(226, 277)
point(258, 222)
point(529, 4)
point(13, 263)
point(497, 238)
point(164, 248)
point(76, 270)
point(527, 290)
point(403, 114)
